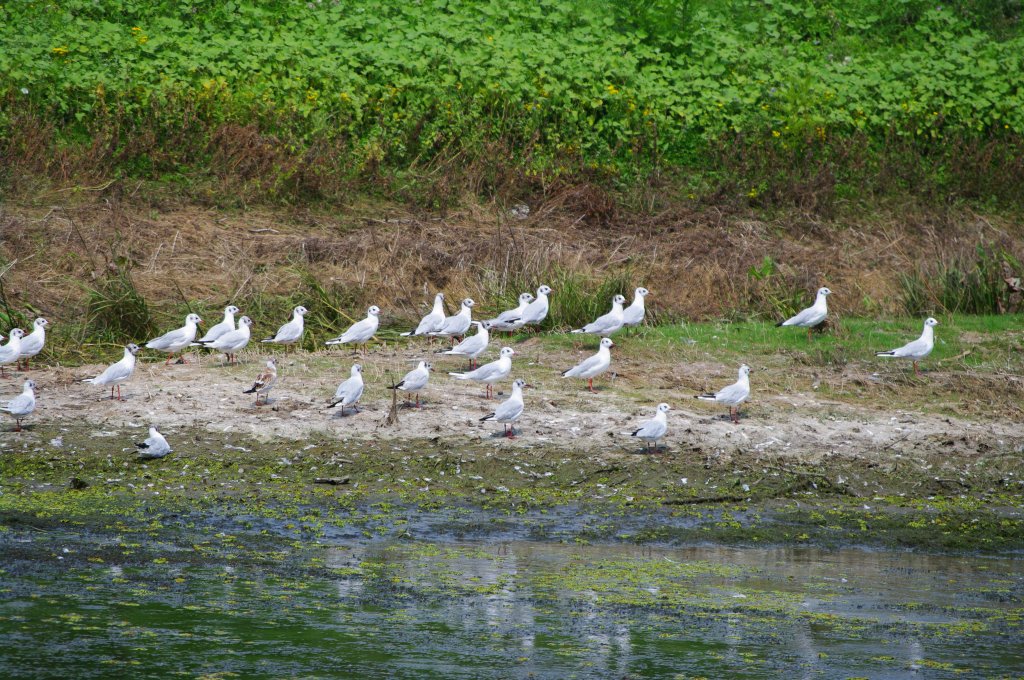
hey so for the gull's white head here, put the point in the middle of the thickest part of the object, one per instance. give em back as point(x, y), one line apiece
point(543, 290)
point(231, 309)
point(17, 333)
point(40, 323)
point(245, 321)
point(133, 348)
point(931, 322)
point(356, 369)
point(507, 352)
point(744, 371)
point(520, 383)
point(193, 319)
point(373, 311)
point(426, 365)
point(468, 303)
point(607, 343)
point(824, 291)
point(641, 292)
point(300, 311)
point(271, 362)
point(526, 297)
point(29, 385)
point(618, 300)
point(439, 296)
point(663, 408)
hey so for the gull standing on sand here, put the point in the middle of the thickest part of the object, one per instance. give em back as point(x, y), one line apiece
point(654, 429)
point(291, 332)
point(118, 372)
point(155, 446)
point(634, 314)
point(813, 315)
point(231, 342)
point(512, 319)
point(457, 325)
point(490, 373)
point(918, 349)
point(414, 381)
point(177, 340)
point(33, 343)
point(264, 381)
point(360, 331)
point(433, 321)
point(21, 406)
point(593, 366)
point(733, 395)
point(348, 392)
point(607, 324)
point(473, 346)
point(11, 352)
point(508, 411)
point(537, 310)
point(219, 329)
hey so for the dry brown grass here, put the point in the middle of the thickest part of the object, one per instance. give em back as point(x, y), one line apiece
point(695, 262)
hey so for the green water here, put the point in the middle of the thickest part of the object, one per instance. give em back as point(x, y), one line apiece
point(205, 595)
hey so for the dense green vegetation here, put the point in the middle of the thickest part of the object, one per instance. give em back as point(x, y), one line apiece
point(760, 101)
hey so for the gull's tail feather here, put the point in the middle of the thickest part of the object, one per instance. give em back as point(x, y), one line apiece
point(887, 353)
point(489, 416)
point(459, 376)
point(706, 397)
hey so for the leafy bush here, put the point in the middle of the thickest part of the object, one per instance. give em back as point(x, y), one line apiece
point(294, 99)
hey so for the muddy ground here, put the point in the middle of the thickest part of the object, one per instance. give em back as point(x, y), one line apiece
point(791, 420)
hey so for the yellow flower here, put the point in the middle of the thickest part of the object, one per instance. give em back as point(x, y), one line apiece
point(59, 51)
point(776, 133)
point(612, 89)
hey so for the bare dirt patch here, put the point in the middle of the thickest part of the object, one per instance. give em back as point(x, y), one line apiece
point(784, 421)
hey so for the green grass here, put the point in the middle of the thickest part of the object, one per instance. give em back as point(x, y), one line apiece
point(759, 101)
